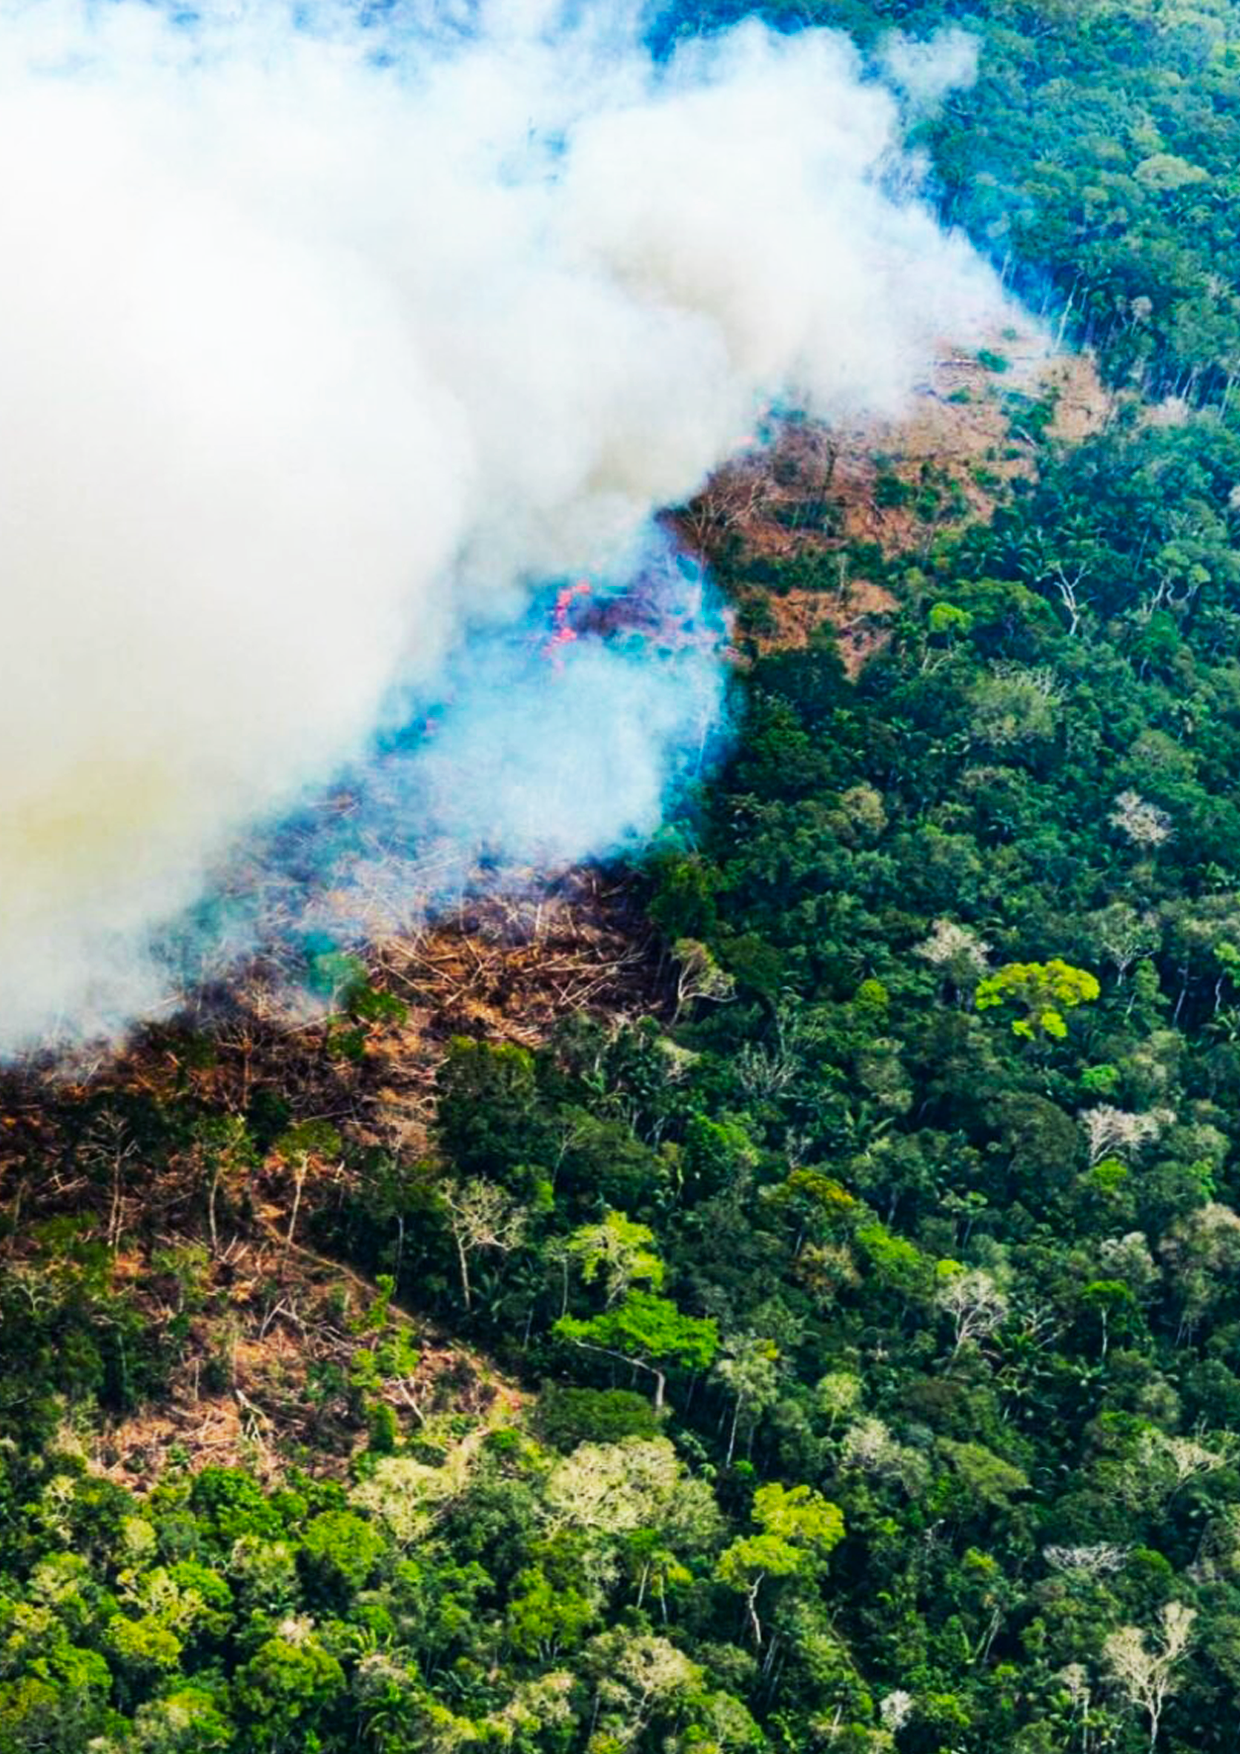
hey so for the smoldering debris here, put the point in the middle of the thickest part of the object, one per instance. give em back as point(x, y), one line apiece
point(329, 338)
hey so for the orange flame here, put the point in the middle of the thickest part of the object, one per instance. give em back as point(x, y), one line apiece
point(563, 634)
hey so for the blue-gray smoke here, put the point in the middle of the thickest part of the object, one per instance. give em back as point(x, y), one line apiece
point(544, 744)
point(333, 341)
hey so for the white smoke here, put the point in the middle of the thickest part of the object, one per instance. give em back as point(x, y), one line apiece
point(321, 342)
point(925, 69)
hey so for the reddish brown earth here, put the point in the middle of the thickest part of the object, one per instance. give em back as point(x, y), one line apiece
point(274, 1327)
point(818, 491)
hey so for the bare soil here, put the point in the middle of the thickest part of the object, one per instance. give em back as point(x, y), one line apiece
point(272, 1327)
point(821, 493)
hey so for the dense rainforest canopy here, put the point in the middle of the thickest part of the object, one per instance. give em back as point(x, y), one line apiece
point(865, 1318)
point(1095, 158)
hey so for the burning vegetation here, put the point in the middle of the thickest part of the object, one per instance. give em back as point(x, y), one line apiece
point(624, 1230)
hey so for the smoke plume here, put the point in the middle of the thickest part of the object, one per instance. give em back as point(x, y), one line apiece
point(923, 72)
point(328, 340)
